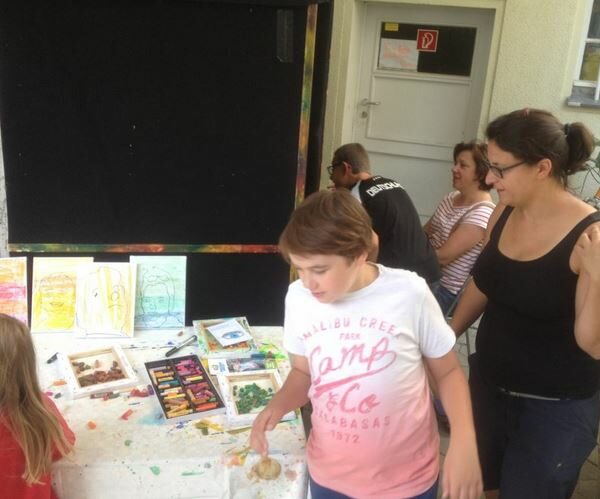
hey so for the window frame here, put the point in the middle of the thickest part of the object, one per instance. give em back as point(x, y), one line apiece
point(582, 44)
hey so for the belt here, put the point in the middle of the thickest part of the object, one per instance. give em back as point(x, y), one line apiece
point(528, 395)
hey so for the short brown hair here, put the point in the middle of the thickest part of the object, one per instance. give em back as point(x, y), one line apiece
point(355, 155)
point(479, 152)
point(327, 223)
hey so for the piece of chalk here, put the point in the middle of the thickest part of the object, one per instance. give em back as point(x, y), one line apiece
point(126, 414)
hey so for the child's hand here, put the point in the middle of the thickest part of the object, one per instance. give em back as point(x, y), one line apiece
point(461, 477)
point(588, 249)
point(265, 421)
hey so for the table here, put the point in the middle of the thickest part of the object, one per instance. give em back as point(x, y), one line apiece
point(147, 457)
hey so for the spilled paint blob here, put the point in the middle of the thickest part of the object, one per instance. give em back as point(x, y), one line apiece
point(192, 473)
point(290, 475)
point(128, 443)
point(154, 419)
point(207, 465)
point(155, 470)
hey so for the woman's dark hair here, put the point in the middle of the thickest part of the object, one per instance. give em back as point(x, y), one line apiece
point(479, 153)
point(533, 134)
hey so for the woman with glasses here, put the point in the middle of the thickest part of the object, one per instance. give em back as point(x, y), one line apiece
point(535, 376)
point(457, 228)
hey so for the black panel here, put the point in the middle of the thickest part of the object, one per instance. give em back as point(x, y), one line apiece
point(170, 123)
point(165, 122)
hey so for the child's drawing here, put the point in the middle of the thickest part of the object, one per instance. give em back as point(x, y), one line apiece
point(13, 287)
point(53, 293)
point(105, 298)
point(160, 291)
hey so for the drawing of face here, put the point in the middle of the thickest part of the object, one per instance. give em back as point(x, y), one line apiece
point(56, 294)
point(156, 297)
point(106, 302)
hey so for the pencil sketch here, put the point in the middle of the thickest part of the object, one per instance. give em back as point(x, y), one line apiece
point(105, 297)
point(160, 291)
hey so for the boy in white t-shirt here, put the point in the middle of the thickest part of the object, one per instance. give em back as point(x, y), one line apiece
point(359, 336)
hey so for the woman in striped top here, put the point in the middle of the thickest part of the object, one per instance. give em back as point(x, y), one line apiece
point(457, 228)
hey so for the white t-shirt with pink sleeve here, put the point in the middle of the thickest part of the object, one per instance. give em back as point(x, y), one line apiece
point(374, 433)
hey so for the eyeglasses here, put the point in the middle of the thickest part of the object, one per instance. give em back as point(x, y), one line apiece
point(499, 172)
point(331, 167)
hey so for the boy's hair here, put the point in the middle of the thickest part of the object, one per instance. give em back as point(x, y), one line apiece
point(22, 408)
point(327, 223)
point(355, 155)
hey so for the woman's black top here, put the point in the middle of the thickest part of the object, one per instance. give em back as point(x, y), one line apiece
point(526, 338)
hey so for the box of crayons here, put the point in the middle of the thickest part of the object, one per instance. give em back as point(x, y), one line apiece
point(184, 389)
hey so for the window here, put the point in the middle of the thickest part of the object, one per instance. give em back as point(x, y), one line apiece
point(586, 85)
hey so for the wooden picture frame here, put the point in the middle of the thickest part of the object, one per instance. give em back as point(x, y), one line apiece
point(97, 371)
point(246, 394)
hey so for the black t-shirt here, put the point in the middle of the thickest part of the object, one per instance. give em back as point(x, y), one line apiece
point(402, 241)
point(526, 337)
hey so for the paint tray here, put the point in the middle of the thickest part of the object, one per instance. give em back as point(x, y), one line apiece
point(97, 371)
point(184, 389)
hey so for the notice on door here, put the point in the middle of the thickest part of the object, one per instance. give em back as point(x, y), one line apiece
point(427, 40)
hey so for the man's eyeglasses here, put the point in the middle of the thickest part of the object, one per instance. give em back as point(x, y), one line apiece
point(499, 172)
point(331, 167)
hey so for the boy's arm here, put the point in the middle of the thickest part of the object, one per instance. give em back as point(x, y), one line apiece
point(293, 394)
point(462, 474)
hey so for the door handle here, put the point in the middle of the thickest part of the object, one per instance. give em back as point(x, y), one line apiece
point(367, 102)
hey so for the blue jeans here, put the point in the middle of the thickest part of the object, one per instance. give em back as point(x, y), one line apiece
point(319, 492)
point(445, 298)
point(530, 447)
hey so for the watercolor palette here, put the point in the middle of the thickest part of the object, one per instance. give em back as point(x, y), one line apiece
point(96, 371)
point(184, 389)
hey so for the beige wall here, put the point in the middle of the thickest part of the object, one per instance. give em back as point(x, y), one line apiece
point(535, 45)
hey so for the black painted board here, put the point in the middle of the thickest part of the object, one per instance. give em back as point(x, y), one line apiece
point(139, 122)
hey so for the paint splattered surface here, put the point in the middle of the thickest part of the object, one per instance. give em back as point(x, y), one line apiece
point(143, 456)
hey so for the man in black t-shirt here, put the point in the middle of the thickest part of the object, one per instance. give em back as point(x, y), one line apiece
point(402, 241)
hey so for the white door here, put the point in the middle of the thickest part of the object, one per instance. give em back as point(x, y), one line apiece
point(420, 91)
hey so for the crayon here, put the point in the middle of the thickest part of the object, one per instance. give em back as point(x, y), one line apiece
point(175, 396)
point(52, 359)
point(174, 414)
point(126, 414)
point(205, 407)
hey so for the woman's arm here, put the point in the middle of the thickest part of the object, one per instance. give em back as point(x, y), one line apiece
point(462, 474)
point(427, 227)
point(587, 298)
point(470, 306)
point(293, 394)
point(461, 240)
